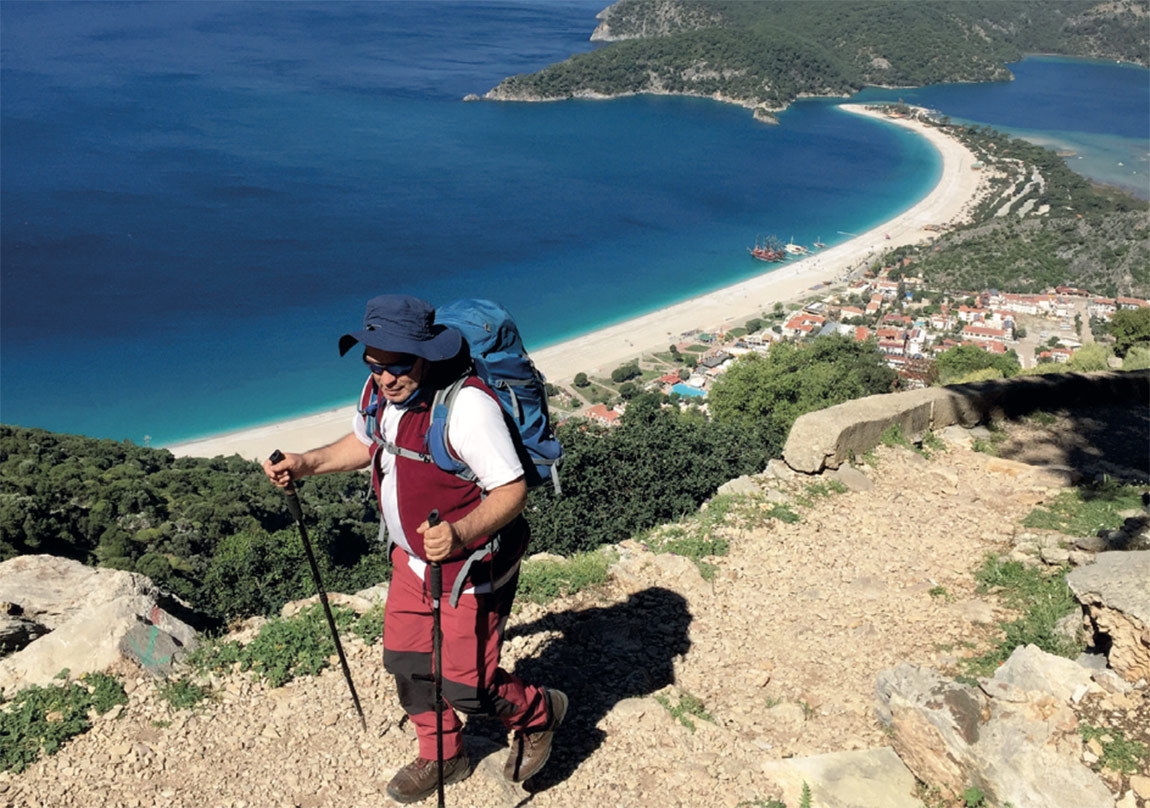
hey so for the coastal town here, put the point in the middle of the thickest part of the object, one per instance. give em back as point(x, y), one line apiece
point(909, 324)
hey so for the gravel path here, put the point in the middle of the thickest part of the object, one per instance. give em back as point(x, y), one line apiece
point(782, 648)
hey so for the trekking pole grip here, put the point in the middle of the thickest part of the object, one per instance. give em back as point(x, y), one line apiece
point(292, 499)
point(435, 579)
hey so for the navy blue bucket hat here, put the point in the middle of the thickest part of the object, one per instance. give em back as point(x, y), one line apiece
point(404, 324)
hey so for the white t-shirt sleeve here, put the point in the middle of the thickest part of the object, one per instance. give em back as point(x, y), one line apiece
point(360, 429)
point(479, 437)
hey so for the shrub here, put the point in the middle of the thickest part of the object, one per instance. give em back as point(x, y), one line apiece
point(256, 572)
point(39, 719)
point(767, 393)
point(544, 580)
point(285, 647)
point(1129, 327)
point(1137, 358)
point(625, 372)
point(657, 465)
point(958, 363)
point(182, 693)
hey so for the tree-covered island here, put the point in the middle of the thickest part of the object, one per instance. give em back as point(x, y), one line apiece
point(764, 55)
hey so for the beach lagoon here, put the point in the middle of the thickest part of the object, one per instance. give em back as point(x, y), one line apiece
point(199, 200)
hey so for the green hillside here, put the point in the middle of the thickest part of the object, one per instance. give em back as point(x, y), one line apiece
point(766, 54)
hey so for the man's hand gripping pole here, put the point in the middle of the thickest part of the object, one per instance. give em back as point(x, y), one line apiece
point(435, 581)
point(297, 514)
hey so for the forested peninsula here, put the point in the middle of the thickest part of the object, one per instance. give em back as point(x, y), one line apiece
point(764, 55)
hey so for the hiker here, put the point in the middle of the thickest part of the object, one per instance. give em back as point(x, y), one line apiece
point(409, 358)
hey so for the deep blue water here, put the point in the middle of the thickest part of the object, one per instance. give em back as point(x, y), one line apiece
point(198, 198)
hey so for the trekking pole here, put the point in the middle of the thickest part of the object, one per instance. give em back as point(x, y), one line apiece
point(436, 584)
point(297, 513)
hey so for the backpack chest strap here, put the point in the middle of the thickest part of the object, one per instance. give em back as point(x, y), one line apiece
point(399, 451)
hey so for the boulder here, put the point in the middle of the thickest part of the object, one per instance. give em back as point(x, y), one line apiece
point(374, 594)
point(741, 485)
point(1014, 740)
point(1015, 762)
point(96, 616)
point(869, 778)
point(1115, 590)
point(852, 478)
point(779, 470)
point(826, 438)
point(1031, 669)
point(354, 602)
point(638, 568)
point(934, 720)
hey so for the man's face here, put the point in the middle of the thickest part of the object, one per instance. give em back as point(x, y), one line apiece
point(397, 375)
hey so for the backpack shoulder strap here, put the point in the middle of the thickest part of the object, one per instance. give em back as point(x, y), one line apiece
point(371, 410)
point(438, 440)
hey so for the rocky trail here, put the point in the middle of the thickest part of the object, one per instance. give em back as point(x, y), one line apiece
point(781, 648)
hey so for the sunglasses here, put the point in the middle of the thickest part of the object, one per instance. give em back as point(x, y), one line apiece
point(394, 368)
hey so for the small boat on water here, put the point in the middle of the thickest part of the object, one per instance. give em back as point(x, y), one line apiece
point(795, 249)
point(768, 249)
point(819, 242)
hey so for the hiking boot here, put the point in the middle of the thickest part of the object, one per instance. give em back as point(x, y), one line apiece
point(530, 750)
point(420, 778)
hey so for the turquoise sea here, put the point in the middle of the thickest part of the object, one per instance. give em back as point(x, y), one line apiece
point(1100, 111)
point(198, 198)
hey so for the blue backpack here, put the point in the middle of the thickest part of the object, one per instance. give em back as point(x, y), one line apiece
point(503, 365)
point(500, 361)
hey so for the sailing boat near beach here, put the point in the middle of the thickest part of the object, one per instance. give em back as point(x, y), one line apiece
point(768, 248)
point(795, 249)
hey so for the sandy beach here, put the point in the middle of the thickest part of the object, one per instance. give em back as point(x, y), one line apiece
point(949, 202)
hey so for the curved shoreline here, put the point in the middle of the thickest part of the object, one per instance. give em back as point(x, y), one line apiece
point(949, 202)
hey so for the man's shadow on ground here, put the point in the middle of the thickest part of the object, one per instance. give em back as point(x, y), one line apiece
point(604, 655)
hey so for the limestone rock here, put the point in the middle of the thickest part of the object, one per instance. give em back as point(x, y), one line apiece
point(852, 478)
point(741, 485)
point(488, 758)
point(1140, 785)
point(934, 721)
point(779, 470)
point(869, 778)
point(375, 594)
point(826, 438)
point(546, 557)
point(976, 611)
point(96, 616)
point(638, 568)
point(786, 715)
point(1016, 764)
point(1116, 592)
point(1016, 742)
point(1030, 668)
point(52, 590)
point(1092, 544)
point(1055, 556)
point(355, 603)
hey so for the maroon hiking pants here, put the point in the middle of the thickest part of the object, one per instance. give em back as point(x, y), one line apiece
point(473, 682)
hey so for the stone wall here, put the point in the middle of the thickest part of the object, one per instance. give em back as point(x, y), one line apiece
point(826, 439)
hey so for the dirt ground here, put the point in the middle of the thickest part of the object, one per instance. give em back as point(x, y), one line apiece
point(781, 649)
